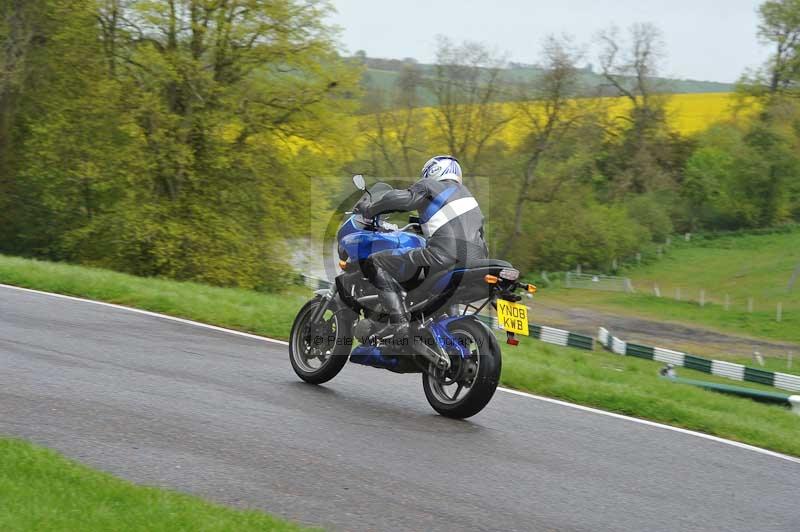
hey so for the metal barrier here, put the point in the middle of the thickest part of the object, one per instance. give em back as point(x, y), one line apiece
point(720, 368)
point(550, 335)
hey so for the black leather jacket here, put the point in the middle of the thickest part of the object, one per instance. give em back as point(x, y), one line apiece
point(451, 221)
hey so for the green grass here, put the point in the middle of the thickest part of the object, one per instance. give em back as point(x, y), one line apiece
point(621, 384)
point(631, 386)
point(741, 267)
point(41, 490)
point(260, 313)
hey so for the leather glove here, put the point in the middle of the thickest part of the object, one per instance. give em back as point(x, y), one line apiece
point(362, 207)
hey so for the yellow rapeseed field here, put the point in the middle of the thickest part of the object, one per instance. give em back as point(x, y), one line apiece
point(686, 113)
point(690, 113)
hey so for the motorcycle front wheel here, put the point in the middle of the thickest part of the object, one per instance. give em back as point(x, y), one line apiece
point(319, 351)
point(469, 384)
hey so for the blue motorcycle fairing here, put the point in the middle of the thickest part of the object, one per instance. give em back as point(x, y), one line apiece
point(372, 356)
point(349, 226)
point(360, 243)
point(368, 355)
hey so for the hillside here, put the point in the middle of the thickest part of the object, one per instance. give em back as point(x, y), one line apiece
point(686, 113)
point(726, 272)
point(758, 266)
point(382, 75)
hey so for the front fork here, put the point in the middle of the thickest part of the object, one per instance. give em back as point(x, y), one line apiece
point(326, 299)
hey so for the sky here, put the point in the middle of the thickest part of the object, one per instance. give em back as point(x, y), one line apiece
point(705, 39)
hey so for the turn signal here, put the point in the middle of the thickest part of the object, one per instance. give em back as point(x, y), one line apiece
point(532, 288)
point(491, 279)
point(343, 264)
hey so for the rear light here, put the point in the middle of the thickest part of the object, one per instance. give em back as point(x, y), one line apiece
point(509, 274)
point(491, 279)
point(510, 340)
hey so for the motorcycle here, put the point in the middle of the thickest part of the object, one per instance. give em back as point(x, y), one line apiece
point(457, 355)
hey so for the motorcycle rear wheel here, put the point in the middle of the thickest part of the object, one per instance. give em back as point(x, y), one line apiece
point(468, 386)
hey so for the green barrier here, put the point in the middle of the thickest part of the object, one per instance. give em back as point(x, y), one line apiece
point(550, 335)
point(641, 351)
point(580, 341)
point(759, 375)
point(750, 393)
point(697, 363)
point(720, 368)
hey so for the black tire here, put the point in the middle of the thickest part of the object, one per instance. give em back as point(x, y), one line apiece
point(486, 350)
point(302, 343)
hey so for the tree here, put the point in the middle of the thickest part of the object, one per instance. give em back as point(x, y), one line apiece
point(780, 27)
point(742, 177)
point(48, 65)
point(548, 110)
point(395, 130)
point(708, 176)
point(630, 67)
point(578, 230)
point(171, 138)
point(15, 43)
point(466, 84)
point(234, 103)
point(645, 155)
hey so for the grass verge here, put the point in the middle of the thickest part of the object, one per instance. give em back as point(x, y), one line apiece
point(728, 268)
point(41, 490)
point(620, 384)
point(631, 386)
point(259, 313)
point(758, 324)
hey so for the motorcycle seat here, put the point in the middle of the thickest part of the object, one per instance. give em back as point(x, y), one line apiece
point(445, 280)
point(487, 263)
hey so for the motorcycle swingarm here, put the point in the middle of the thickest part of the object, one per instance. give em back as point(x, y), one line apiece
point(446, 340)
point(443, 341)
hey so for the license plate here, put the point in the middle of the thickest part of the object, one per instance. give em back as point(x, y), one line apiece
point(513, 317)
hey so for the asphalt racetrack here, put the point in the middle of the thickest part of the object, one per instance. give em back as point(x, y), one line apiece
point(220, 415)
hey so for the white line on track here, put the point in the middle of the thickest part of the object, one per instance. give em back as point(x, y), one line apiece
point(506, 390)
point(148, 313)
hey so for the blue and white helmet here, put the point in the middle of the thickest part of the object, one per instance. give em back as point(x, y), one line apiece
point(442, 167)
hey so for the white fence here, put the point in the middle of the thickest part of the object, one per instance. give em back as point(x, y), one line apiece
point(598, 282)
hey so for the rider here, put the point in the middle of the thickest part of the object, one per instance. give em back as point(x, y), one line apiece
point(451, 222)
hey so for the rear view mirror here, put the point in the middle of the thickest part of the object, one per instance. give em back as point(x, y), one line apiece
point(358, 181)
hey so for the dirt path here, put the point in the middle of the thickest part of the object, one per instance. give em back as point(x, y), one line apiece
point(690, 338)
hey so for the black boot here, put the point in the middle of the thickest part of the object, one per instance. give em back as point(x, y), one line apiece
point(395, 307)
